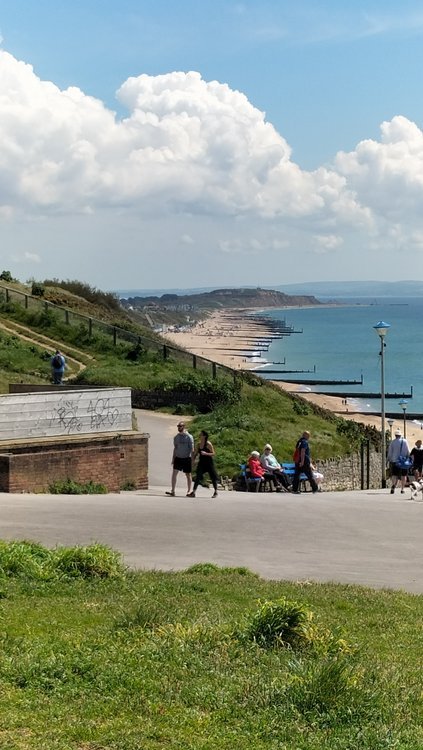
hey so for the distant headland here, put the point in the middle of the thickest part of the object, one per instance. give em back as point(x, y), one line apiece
point(220, 299)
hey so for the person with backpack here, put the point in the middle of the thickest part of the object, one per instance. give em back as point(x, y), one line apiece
point(303, 464)
point(58, 364)
point(399, 459)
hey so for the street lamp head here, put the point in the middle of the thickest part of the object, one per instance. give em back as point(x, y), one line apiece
point(390, 422)
point(403, 403)
point(381, 328)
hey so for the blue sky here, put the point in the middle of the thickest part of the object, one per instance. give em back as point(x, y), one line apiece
point(302, 199)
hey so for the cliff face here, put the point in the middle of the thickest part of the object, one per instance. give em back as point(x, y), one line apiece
point(226, 298)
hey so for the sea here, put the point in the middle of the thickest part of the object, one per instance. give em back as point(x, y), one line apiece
point(339, 342)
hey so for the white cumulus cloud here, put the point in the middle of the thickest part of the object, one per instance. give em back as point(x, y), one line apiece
point(186, 144)
point(199, 149)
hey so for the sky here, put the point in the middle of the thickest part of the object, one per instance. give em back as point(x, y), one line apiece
point(151, 144)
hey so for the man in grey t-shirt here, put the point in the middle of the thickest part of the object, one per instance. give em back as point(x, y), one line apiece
point(183, 450)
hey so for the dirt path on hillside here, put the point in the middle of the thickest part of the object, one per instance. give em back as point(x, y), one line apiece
point(38, 339)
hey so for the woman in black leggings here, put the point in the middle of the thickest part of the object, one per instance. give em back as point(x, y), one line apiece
point(205, 453)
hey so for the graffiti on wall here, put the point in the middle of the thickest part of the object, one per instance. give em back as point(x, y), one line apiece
point(71, 416)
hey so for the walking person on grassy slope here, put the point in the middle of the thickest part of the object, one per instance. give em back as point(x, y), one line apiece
point(205, 453)
point(183, 449)
point(398, 449)
point(303, 464)
point(58, 364)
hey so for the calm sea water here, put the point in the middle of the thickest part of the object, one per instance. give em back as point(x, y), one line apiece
point(342, 344)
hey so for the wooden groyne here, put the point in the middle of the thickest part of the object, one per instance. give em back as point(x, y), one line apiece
point(280, 372)
point(327, 382)
point(351, 394)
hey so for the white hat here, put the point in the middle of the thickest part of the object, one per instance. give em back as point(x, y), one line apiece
point(397, 433)
point(255, 453)
point(267, 447)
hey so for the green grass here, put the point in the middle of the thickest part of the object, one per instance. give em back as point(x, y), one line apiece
point(155, 660)
point(266, 414)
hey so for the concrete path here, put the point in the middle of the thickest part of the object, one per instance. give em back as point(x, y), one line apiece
point(371, 538)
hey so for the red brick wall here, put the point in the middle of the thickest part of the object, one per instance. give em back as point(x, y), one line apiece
point(112, 460)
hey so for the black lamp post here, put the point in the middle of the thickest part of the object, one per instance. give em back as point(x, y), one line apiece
point(381, 329)
point(403, 404)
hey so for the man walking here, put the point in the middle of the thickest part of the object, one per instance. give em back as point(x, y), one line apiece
point(183, 450)
point(303, 464)
point(398, 449)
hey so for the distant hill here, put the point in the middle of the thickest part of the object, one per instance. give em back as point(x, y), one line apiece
point(317, 289)
point(356, 288)
point(221, 299)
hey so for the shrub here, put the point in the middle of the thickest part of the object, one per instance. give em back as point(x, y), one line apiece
point(280, 623)
point(37, 289)
point(92, 294)
point(208, 568)
point(69, 487)
point(94, 561)
point(25, 559)
point(6, 276)
point(332, 685)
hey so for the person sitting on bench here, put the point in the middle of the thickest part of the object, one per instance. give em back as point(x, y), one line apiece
point(273, 467)
point(256, 470)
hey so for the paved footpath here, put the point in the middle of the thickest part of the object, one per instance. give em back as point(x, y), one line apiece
point(368, 537)
point(371, 537)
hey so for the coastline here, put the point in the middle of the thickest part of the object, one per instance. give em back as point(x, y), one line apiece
point(229, 337)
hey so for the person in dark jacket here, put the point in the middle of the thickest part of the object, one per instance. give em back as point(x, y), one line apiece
point(303, 464)
point(58, 364)
point(416, 456)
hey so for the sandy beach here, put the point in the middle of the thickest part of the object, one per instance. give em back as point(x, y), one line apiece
point(230, 337)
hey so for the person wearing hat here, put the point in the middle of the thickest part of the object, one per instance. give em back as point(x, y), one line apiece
point(398, 449)
point(273, 467)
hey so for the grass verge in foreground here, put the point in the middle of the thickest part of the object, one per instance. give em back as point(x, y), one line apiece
point(152, 660)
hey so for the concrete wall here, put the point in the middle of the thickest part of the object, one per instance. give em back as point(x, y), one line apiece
point(62, 412)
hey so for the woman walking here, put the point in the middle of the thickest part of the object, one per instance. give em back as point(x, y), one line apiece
point(205, 453)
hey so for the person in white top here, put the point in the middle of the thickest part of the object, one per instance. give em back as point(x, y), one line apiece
point(398, 449)
point(273, 467)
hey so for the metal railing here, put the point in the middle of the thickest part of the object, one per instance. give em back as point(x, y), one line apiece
point(117, 334)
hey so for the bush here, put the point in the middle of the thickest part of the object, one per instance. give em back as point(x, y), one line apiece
point(25, 559)
point(331, 686)
point(6, 276)
point(280, 623)
point(69, 487)
point(37, 289)
point(94, 561)
point(211, 392)
point(90, 293)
